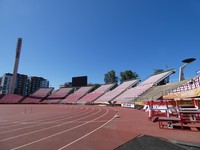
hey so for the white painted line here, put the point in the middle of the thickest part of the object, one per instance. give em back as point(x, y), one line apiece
point(59, 132)
point(35, 122)
point(87, 134)
point(42, 116)
point(13, 137)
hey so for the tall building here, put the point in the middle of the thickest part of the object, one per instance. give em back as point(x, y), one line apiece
point(24, 85)
point(35, 83)
point(44, 83)
point(5, 83)
point(20, 84)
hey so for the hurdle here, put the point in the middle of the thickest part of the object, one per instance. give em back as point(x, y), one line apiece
point(26, 111)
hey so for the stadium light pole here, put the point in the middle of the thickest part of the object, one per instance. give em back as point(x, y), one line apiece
point(15, 70)
point(181, 69)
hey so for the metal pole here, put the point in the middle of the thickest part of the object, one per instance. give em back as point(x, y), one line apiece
point(181, 73)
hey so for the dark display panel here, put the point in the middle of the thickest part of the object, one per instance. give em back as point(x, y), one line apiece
point(79, 81)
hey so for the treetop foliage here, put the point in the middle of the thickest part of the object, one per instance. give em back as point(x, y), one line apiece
point(110, 77)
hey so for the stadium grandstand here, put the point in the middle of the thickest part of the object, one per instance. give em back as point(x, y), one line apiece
point(11, 99)
point(155, 87)
point(90, 97)
point(74, 97)
point(189, 89)
point(57, 96)
point(156, 92)
point(38, 96)
point(117, 91)
point(134, 92)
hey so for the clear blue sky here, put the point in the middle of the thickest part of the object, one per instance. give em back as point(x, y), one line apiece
point(66, 38)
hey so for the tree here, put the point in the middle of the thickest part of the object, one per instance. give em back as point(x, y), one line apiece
point(128, 75)
point(110, 77)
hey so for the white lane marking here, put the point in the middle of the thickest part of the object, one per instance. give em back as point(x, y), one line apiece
point(60, 116)
point(58, 133)
point(42, 116)
point(87, 134)
point(41, 123)
point(44, 128)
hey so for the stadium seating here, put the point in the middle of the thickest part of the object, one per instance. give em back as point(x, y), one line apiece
point(189, 85)
point(156, 92)
point(10, 98)
point(90, 97)
point(61, 93)
point(57, 96)
point(117, 91)
point(143, 87)
point(72, 98)
point(39, 95)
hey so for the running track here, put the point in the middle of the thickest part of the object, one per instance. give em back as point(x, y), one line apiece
point(62, 127)
point(31, 127)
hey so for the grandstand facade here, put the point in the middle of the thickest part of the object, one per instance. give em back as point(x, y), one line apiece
point(189, 89)
point(109, 96)
point(133, 93)
point(38, 96)
point(74, 97)
point(91, 97)
point(155, 87)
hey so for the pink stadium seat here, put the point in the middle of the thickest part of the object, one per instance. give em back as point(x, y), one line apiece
point(38, 95)
point(141, 88)
point(90, 97)
point(74, 97)
point(61, 93)
point(117, 91)
point(11, 98)
point(57, 96)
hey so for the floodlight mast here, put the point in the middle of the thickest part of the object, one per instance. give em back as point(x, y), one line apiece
point(15, 70)
point(181, 69)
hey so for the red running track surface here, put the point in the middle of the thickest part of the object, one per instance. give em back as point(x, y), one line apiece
point(52, 127)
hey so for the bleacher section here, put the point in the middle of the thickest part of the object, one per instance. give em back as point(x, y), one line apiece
point(143, 87)
point(57, 96)
point(74, 97)
point(187, 90)
point(117, 91)
point(156, 92)
point(39, 95)
point(10, 99)
point(189, 85)
point(90, 97)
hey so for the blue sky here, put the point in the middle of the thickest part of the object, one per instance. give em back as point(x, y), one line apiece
point(66, 38)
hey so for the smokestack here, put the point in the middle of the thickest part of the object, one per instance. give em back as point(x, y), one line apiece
point(14, 77)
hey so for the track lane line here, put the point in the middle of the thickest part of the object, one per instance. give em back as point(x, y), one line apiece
point(49, 117)
point(42, 123)
point(35, 116)
point(59, 132)
point(87, 134)
point(45, 128)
